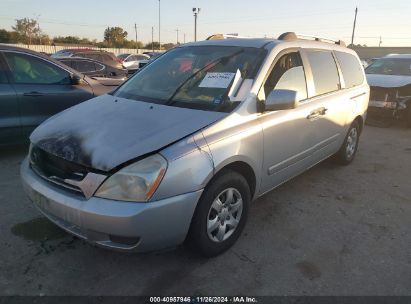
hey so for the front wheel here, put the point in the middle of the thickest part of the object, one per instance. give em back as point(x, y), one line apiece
point(349, 148)
point(221, 214)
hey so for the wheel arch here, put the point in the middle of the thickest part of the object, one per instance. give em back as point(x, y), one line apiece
point(242, 167)
point(360, 121)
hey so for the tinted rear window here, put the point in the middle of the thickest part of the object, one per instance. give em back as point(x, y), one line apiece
point(324, 69)
point(351, 69)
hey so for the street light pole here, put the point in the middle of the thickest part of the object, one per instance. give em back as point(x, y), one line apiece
point(152, 38)
point(353, 28)
point(196, 11)
point(159, 24)
point(177, 30)
point(135, 27)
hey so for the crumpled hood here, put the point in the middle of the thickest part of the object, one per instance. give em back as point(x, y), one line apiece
point(107, 131)
point(388, 81)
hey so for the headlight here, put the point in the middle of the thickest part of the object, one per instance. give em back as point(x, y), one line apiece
point(137, 182)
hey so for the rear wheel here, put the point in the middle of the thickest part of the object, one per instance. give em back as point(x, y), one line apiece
point(349, 148)
point(221, 214)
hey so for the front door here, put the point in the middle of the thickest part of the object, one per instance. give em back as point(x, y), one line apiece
point(10, 131)
point(289, 136)
point(43, 89)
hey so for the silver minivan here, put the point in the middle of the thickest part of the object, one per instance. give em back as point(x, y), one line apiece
point(181, 149)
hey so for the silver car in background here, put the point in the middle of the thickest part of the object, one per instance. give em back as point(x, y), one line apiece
point(179, 151)
point(132, 61)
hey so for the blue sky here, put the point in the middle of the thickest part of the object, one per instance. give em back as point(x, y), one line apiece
point(257, 18)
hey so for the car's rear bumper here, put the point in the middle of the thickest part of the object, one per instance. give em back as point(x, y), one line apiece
point(114, 224)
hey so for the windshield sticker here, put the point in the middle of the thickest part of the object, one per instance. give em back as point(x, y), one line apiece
point(217, 80)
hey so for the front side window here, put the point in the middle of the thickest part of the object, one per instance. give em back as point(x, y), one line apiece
point(351, 69)
point(198, 77)
point(287, 74)
point(324, 69)
point(390, 66)
point(28, 69)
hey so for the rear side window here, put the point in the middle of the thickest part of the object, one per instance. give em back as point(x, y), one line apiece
point(85, 66)
point(99, 67)
point(324, 69)
point(351, 69)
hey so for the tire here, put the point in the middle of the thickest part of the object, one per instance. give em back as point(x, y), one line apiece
point(348, 150)
point(212, 242)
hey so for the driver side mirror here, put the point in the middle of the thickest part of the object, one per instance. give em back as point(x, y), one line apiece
point(281, 100)
point(76, 79)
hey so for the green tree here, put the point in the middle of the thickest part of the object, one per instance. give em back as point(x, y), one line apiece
point(150, 45)
point(27, 29)
point(5, 36)
point(115, 36)
point(168, 46)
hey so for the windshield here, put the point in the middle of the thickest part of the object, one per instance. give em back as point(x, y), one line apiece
point(194, 77)
point(390, 66)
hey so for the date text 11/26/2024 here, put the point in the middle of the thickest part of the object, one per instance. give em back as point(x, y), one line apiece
point(204, 299)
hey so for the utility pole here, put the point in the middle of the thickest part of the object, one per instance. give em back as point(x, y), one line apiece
point(353, 29)
point(152, 38)
point(379, 44)
point(184, 38)
point(135, 27)
point(177, 30)
point(38, 27)
point(196, 11)
point(159, 25)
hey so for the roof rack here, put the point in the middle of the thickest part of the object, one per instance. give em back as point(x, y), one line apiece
point(224, 36)
point(290, 36)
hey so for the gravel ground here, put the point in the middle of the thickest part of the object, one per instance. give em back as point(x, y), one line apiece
point(331, 231)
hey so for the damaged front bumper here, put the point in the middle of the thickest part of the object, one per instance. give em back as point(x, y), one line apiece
point(124, 226)
point(388, 103)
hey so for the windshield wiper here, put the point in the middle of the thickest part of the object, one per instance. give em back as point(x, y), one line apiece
point(214, 63)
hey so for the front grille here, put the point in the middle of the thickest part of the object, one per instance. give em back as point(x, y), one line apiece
point(55, 169)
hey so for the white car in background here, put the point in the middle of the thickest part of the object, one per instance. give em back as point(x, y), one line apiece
point(131, 61)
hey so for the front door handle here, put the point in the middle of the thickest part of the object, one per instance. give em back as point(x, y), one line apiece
point(33, 94)
point(317, 112)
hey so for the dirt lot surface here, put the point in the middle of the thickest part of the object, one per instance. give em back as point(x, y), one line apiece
point(331, 231)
